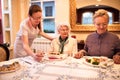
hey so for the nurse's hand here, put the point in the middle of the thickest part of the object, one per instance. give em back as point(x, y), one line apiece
point(38, 56)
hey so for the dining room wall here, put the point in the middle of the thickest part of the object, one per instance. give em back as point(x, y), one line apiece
point(62, 11)
point(112, 3)
point(20, 12)
point(62, 14)
point(81, 35)
point(1, 34)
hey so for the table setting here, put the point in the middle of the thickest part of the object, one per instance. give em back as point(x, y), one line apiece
point(67, 68)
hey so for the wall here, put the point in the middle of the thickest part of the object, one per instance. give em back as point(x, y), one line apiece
point(19, 13)
point(112, 3)
point(15, 17)
point(62, 11)
point(80, 3)
point(1, 34)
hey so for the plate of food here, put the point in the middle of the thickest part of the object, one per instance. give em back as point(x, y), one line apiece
point(98, 61)
point(54, 53)
point(57, 56)
point(7, 66)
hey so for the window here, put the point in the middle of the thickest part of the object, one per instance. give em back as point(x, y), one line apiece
point(48, 11)
point(36, 3)
point(49, 26)
point(87, 18)
point(110, 18)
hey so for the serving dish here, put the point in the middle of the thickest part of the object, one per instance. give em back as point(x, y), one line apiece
point(9, 66)
point(98, 61)
point(57, 57)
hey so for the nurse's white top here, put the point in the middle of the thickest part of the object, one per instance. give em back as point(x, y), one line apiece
point(25, 29)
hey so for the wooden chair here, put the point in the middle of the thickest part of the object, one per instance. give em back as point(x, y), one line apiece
point(4, 53)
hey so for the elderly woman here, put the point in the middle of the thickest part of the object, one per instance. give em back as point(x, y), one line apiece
point(101, 42)
point(64, 43)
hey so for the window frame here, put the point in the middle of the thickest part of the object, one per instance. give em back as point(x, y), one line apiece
point(83, 17)
point(109, 13)
point(43, 13)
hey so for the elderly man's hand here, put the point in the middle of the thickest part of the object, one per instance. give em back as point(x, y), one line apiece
point(116, 59)
point(80, 54)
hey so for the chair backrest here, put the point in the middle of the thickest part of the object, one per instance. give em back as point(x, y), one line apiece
point(4, 53)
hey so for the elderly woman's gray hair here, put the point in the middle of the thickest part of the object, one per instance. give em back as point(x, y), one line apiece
point(63, 24)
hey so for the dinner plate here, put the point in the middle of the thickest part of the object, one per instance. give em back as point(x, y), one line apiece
point(7, 65)
point(3, 72)
point(56, 57)
point(104, 63)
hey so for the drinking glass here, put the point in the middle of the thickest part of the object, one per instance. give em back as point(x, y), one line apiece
point(102, 73)
point(103, 69)
point(71, 65)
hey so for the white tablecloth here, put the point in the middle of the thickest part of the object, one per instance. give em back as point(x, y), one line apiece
point(74, 69)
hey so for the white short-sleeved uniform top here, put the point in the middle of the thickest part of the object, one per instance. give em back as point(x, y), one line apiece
point(25, 29)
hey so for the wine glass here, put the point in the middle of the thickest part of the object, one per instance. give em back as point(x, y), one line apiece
point(72, 64)
point(103, 69)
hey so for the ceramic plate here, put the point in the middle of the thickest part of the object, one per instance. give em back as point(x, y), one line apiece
point(8, 63)
point(102, 61)
point(56, 57)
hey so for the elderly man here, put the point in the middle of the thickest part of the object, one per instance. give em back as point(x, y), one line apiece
point(101, 42)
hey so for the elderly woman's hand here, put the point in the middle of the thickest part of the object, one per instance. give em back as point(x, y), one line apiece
point(116, 59)
point(80, 54)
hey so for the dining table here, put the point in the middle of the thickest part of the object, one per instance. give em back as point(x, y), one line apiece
point(68, 68)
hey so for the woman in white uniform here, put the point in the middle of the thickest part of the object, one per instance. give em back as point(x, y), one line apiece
point(29, 29)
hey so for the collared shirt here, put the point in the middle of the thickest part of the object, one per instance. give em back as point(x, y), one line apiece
point(106, 44)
